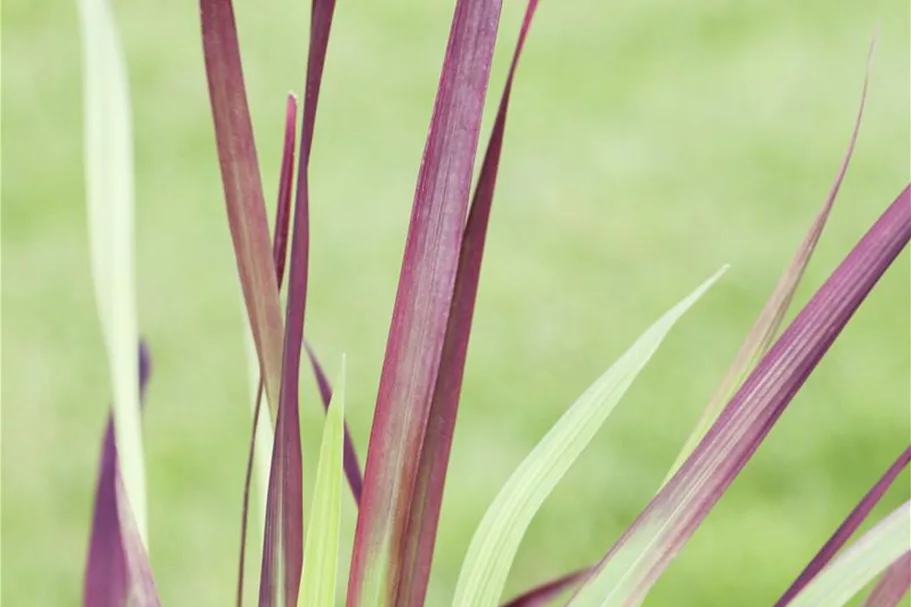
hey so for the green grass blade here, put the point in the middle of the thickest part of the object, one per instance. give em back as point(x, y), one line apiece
point(321, 548)
point(497, 538)
point(109, 189)
point(857, 566)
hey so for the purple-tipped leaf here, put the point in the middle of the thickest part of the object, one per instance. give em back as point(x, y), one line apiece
point(283, 540)
point(543, 595)
point(763, 331)
point(847, 528)
point(426, 500)
point(110, 570)
point(422, 307)
point(893, 585)
point(635, 562)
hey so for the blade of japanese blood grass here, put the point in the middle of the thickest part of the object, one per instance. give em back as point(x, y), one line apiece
point(545, 593)
point(846, 529)
point(109, 198)
point(496, 540)
point(422, 306)
point(763, 331)
point(243, 189)
point(424, 510)
point(106, 581)
point(638, 558)
point(321, 549)
point(893, 585)
point(282, 542)
point(860, 563)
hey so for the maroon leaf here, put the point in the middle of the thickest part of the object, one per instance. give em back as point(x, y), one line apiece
point(892, 585)
point(847, 528)
point(108, 574)
point(423, 302)
point(427, 498)
point(545, 593)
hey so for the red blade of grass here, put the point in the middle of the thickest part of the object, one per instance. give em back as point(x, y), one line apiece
point(847, 528)
point(893, 585)
point(422, 307)
point(283, 541)
point(426, 500)
point(109, 574)
point(638, 558)
point(545, 593)
point(767, 324)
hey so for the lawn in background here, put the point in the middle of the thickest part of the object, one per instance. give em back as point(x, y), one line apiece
point(649, 143)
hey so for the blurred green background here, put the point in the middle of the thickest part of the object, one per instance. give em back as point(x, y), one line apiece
point(649, 143)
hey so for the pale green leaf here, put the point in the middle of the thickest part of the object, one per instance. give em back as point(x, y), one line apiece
point(109, 197)
point(321, 547)
point(500, 532)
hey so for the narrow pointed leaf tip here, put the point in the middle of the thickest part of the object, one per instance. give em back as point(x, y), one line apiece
point(635, 562)
point(422, 307)
point(321, 548)
point(109, 198)
point(424, 511)
point(847, 528)
point(497, 538)
point(770, 318)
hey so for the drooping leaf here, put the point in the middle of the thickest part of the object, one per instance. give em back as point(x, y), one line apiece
point(631, 567)
point(283, 538)
point(847, 528)
point(321, 548)
point(893, 585)
point(422, 306)
point(543, 595)
point(424, 510)
point(497, 537)
point(106, 581)
point(763, 331)
point(860, 563)
point(109, 198)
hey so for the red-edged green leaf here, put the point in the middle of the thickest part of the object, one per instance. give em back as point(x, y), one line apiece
point(763, 331)
point(279, 253)
point(631, 567)
point(107, 577)
point(893, 585)
point(544, 594)
point(847, 528)
point(422, 307)
point(283, 540)
point(424, 510)
point(351, 465)
point(243, 189)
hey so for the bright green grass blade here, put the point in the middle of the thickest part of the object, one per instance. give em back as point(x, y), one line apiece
point(497, 538)
point(321, 548)
point(859, 564)
point(109, 196)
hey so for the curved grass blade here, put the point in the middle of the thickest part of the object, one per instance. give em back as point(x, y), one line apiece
point(630, 568)
point(763, 331)
point(261, 437)
point(106, 581)
point(424, 510)
point(422, 307)
point(543, 595)
point(321, 548)
point(847, 528)
point(893, 585)
point(109, 198)
point(282, 542)
point(500, 532)
point(860, 563)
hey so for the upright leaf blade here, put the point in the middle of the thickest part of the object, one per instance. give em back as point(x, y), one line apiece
point(109, 197)
point(321, 549)
point(422, 305)
point(497, 538)
point(630, 568)
point(424, 510)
